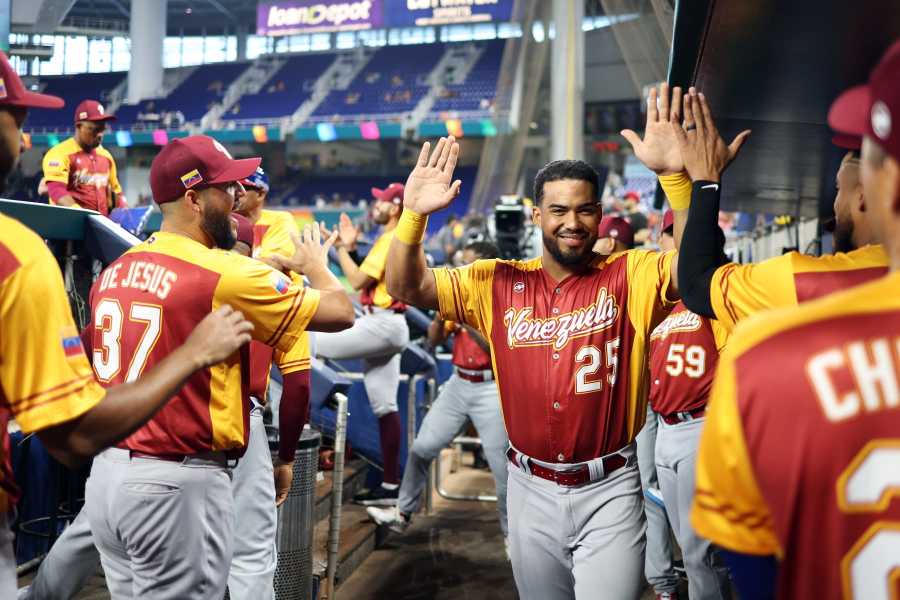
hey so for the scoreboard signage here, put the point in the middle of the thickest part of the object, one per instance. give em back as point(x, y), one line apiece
point(311, 16)
point(409, 13)
point(290, 17)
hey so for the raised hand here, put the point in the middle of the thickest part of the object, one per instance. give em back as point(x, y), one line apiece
point(347, 232)
point(705, 153)
point(659, 150)
point(428, 188)
point(309, 250)
point(218, 336)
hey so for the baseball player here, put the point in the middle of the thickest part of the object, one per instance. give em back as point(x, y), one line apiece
point(578, 325)
point(272, 240)
point(80, 171)
point(805, 491)
point(378, 337)
point(470, 393)
point(256, 492)
point(731, 292)
point(684, 349)
point(46, 382)
point(160, 505)
point(615, 234)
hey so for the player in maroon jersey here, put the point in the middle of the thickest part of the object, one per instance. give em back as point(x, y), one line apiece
point(578, 324)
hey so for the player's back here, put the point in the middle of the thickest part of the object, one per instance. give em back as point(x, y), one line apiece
point(148, 301)
point(818, 392)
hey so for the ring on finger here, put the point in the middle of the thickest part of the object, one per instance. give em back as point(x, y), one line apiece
point(690, 126)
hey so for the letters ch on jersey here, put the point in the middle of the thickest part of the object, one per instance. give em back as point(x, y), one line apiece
point(871, 365)
point(522, 330)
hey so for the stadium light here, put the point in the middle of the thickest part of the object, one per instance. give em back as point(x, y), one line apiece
point(326, 132)
point(123, 138)
point(454, 127)
point(260, 134)
point(369, 130)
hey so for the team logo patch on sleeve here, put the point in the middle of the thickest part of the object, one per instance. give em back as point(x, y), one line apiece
point(280, 282)
point(2, 88)
point(191, 178)
point(72, 346)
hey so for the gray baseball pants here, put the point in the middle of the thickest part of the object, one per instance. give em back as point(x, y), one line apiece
point(658, 567)
point(252, 572)
point(164, 529)
point(7, 560)
point(377, 338)
point(459, 399)
point(74, 557)
point(676, 459)
point(581, 543)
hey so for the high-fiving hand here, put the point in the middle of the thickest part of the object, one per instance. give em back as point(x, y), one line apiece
point(429, 187)
point(705, 154)
point(309, 250)
point(659, 150)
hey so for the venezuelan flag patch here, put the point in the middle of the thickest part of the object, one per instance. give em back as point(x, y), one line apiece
point(72, 346)
point(280, 282)
point(191, 178)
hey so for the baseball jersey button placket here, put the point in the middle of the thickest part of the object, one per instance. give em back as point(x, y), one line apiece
point(557, 406)
point(555, 356)
point(561, 457)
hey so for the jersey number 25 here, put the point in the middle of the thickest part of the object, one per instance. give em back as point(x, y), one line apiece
point(585, 378)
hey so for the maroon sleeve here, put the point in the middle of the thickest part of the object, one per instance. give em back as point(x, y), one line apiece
point(56, 190)
point(292, 413)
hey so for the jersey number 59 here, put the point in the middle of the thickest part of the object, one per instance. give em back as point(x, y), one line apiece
point(109, 321)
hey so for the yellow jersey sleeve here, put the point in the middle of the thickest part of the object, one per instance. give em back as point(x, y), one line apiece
point(728, 506)
point(279, 309)
point(720, 334)
point(464, 294)
point(46, 378)
point(56, 164)
point(295, 359)
point(277, 239)
point(376, 259)
point(649, 277)
point(737, 291)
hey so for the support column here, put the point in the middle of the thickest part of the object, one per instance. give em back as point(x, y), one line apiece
point(241, 35)
point(148, 29)
point(567, 81)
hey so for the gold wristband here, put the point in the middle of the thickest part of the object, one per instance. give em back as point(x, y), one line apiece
point(411, 228)
point(677, 188)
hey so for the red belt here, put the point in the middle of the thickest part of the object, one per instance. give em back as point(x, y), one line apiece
point(573, 477)
point(683, 416)
point(474, 377)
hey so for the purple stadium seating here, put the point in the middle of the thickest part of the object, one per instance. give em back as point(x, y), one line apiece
point(285, 91)
point(389, 84)
point(193, 97)
point(72, 89)
point(480, 86)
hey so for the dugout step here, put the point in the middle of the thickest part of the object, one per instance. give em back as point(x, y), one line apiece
point(357, 542)
point(354, 480)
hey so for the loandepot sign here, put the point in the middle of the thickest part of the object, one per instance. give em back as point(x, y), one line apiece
point(309, 16)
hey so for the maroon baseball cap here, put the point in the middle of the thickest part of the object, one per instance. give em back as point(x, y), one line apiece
point(668, 221)
point(392, 193)
point(91, 110)
point(244, 228)
point(13, 92)
point(873, 109)
point(196, 160)
point(618, 229)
